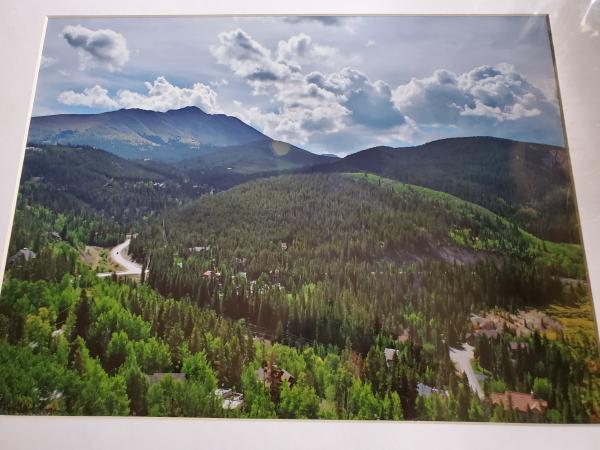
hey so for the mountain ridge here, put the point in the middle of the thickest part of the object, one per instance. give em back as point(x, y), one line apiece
point(136, 133)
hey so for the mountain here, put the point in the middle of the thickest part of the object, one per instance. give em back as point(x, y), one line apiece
point(136, 133)
point(77, 180)
point(227, 166)
point(318, 252)
point(525, 182)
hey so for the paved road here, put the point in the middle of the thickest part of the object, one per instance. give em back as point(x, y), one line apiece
point(462, 360)
point(119, 257)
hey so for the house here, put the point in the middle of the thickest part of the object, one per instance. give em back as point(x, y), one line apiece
point(235, 401)
point(488, 325)
point(57, 333)
point(23, 255)
point(55, 236)
point(520, 402)
point(156, 377)
point(490, 334)
point(199, 249)
point(476, 320)
point(231, 400)
point(265, 374)
point(284, 246)
point(389, 355)
point(425, 391)
point(514, 346)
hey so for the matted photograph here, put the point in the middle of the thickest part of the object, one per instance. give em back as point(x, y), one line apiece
point(298, 217)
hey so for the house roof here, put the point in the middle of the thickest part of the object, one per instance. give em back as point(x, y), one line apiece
point(517, 345)
point(389, 353)
point(520, 401)
point(423, 390)
point(25, 254)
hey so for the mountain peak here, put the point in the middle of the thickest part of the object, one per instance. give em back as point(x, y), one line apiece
point(186, 110)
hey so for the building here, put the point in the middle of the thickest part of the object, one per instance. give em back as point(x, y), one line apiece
point(389, 355)
point(265, 375)
point(284, 246)
point(156, 377)
point(514, 346)
point(55, 236)
point(23, 255)
point(230, 400)
point(520, 402)
point(425, 391)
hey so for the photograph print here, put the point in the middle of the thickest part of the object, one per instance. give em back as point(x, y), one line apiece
point(304, 217)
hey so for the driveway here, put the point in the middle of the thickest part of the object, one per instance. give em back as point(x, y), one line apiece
point(462, 357)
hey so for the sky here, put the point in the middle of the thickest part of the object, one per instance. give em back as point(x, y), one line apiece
point(327, 84)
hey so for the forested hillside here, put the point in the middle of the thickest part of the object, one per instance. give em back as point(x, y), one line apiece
point(527, 183)
point(81, 181)
point(322, 295)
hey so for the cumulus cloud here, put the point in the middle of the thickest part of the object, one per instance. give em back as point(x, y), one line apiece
point(498, 93)
point(307, 104)
point(301, 48)
point(97, 48)
point(161, 95)
point(249, 59)
point(369, 102)
point(494, 100)
point(94, 97)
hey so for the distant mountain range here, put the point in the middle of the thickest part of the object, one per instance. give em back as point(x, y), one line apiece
point(526, 182)
point(136, 133)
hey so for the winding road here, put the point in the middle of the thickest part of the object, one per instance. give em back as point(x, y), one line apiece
point(118, 256)
point(462, 360)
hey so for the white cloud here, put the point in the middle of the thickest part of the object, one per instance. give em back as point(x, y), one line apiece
point(498, 93)
point(301, 48)
point(47, 61)
point(249, 59)
point(97, 48)
point(94, 97)
point(161, 95)
point(306, 104)
point(495, 100)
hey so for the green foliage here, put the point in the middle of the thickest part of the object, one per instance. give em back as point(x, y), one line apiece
point(542, 388)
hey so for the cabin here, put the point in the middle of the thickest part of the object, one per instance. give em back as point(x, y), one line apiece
point(55, 236)
point(23, 255)
point(57, 333)
point(199, 249)
point(266, 374)
point(425, 391)
point(514, 346)
point(389, 355)
point(488, 325)
point(157, 376)
point(230, 400)
point(476, 320)
point(521, 402)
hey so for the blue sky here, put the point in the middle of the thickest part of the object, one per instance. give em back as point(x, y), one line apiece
point(327, 84)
